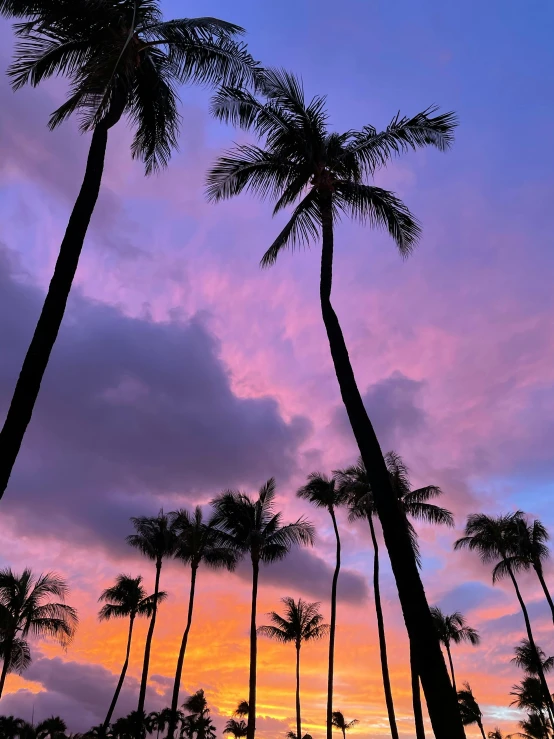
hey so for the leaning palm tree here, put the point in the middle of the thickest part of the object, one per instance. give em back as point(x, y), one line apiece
point(302, 622)
point(197, 542)
point(126, 599)
point(51, 728)
point(323, 173)
point(122, 59)
point(26, 607)
point(453, 629)
point(323, 492)
point(156, 540)
point(469, 709)
point(494, 540)
point(253, 527)
point(339, 722)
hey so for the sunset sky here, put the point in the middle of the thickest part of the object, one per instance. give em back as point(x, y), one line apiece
point(183, 369)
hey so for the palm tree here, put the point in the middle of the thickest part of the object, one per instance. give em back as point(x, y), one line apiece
point(496, 734)
point(531, 658)
point(252, 527)
point(533, 728)
point(469, 709)
point(158, 720)
point(10, 727)
point(198, 723)
point(529, 696)
point(354, 481)
point(339, 722)
point(121, 59)
point(323, 492)
point(26, 731)
point(126, 599)
point(155, 539)
point(242, 710)
point(198, 542)
point(302, 159)
point(26, 607)
point(302, 622)
point(52, 728)
point(494, 540)
point(453, 629)
point(16, 653)
point(236, 728)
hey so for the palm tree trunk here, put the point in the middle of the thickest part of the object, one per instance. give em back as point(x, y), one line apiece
point(181, 659)
point(121, 679)
point(416, 699)
point(46, 331)
point(481, 729)
point(546, 691)
point(443, 710)
point(298, 720)
point(251, 729)
point(147, 648)
point(381, 631)
point(6, 665)
point(448, 652)
point(540, 575)
point(332, 628)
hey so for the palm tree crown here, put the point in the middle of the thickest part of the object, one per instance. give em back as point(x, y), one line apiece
point(302, 622)
point(199, 542)
point(127, 599)
point(339, 722)
point(51, 728)
point(530, 657)
point(154, 537)
point(453, 628)
point(469, 708)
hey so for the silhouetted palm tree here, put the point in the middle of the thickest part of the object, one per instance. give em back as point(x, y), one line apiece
point(323, 492)
point(242, 710)
point(339, 722)
point(158, 720)
point(26, 607)
point(496, 734)
point(469, 709)
point(9, 726)
point(453, 629)
point(302, 622)
point(301, 162)
point(156, 540)
point(126, 599)
point(236, 728)
point(529, 696)
point(251, 526)
point(121, 59)
point(198, 724)
point(51, 728)
point(533, 728)
point(494, 541)
point(531, 657)
point(16, 653)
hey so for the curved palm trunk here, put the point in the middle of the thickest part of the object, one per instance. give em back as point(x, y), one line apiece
point(121, 679)
point(443, 709)
point(448, 652)
point(147, 648)
point(251, 729)
point(181, 658)
point(6, 665)
point(540, 575)
point(46, 331)
point(381, 631)
point(416, 699)
point(481, 729)
point(332, 629)
point(298, 720)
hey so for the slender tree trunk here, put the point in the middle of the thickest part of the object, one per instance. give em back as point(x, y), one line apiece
point(181, 659)
point(481, 729)
point(448, 652)
point(443, 709)
point(6, 666)
point(121, 679)
point(147, 648)
point(381, 631)
point(46, 331)
point(251, 729)
point(540, 575)
point(298, 719)
point(416, 699)
point(332, 628)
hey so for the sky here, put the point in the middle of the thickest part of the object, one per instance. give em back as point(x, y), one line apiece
point(182, 369)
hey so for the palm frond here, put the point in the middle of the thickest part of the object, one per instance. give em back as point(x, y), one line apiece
point(302, 228)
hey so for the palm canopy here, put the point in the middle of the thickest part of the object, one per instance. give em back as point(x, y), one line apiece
point(198, 541)
point(531, 658)
point(469, 708)
point(242, 709)
point(127, 598)
point(302, 161)
point(236, 728)
point(51, 728)
point(122, 58)
point(155, 537)
point(252, 526)
point(533, 727)
point(302, 622)
point(17, 651)
point(339, 722)
point(527, 545)
point(453, 628)
point(491, 537)
point(322, 491)
point(528, 694)
point(196, 703)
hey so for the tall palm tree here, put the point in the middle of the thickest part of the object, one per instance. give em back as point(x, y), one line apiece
point(156, 540)
point(252, 527)
point(494, 539)
point(323, 172)
point(339, 722)
point(323, 492)
point(122, 59)
point(415, 504)
point(26, 607)
point(469, 709)
point(453, 629)
point(52, 728)
point(302, 622)
point(197, 542)
point(126, 599)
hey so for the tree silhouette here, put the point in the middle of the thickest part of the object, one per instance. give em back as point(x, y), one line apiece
point(198, 723)
point(51, 728)
point(322, 492)
point(302, 622)
point(252, 527)
point(453, 629)
point(531, 658)
point(126, 599)
point(323, 175)
point(10, 727)
point(339, 722)
point(236, 728)
point(26, 607)
point(533, 727)
point(469, 709)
